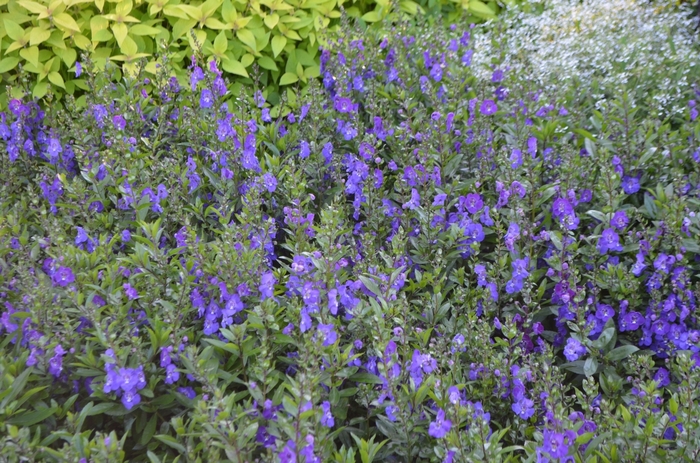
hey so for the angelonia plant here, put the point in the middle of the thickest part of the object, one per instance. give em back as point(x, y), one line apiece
point(408, 264)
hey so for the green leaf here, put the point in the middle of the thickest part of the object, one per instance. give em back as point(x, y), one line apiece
point(278, 44)
point(171, 442)
point(66, 23)
point(31, 418)
point(372, 16)
point(590, 366)
point(143, 29)
point(288, 78)
point(367, 378)
point(268, 63)
point(232, 65)
point(121, 31)
point(480, 9)
point(247, 37)
point(8, 64)
point(221, 43)
point(40, 89)
point(149, 430)
point(30, 54)
point(56, 79)
point(14, 30)
point(621, 353)
point(38, 35)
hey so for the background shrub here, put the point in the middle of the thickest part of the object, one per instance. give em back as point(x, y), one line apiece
point(274, 43)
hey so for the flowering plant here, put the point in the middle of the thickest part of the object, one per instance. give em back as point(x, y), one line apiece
point(406, 262)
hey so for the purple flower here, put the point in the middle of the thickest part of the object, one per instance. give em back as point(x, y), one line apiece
point(130, 291)
point(620, 220)
point(206, 99)
point(488, 107)
point(304, 150)
point(414, 202)
point(267, 285)
point(609, 241)
point(78, 69)
point(63, 276)
point(573, 350)
point(474, 203)
point(328, 334)
point(130, 399)
point(524, 408)
point(440, 427)
point(269, 182)
point(187, 392)
point(287, 455)
point(119, 122)
point(343, 105)
point(516, 158)
point(327, 417)
point(630, 184)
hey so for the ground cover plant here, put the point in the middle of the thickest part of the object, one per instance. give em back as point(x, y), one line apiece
point(430, 256)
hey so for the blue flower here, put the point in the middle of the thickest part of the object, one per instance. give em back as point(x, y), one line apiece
point(327, 417)
point(630, 185)
point(573, 350)
point(488, 107)
point(609, 241)
point(440, 427)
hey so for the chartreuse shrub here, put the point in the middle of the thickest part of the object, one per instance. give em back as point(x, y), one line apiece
point(274, 42)
point(414, 263)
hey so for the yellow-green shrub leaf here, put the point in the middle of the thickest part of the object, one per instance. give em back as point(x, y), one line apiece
point(40, 89)
point(34, 7)
point(247, 60)
point(193, 12)
point(129, 47)
point(247, 37)
point(8, 64)
point(288, 78)
point(65, 22)
point(30, 54)
point(182, 27)
point(372, 16)
point(480, 9)
point(312, 72)
point(278, 44)
point(67, 55)
point(120, 30)
point(175, 11)
point(38, 35)
point(143, 29)
point(268, 63)
point(213, 23)
point(210, 6)
point(56, 79)
point(82, 42)
point(102, 35)
point(14, 30)
point(221, 43)
point(232, 65)
point(271, 20)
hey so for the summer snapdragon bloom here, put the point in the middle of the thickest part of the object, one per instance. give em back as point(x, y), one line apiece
point(62, 276)
point(488, 107)
point(609, 241)
point(328, 334)
point(620, 220)
point(630, 185)
point(440, 427)
point(326, 416)
point(421, 363)
point(573, 350)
